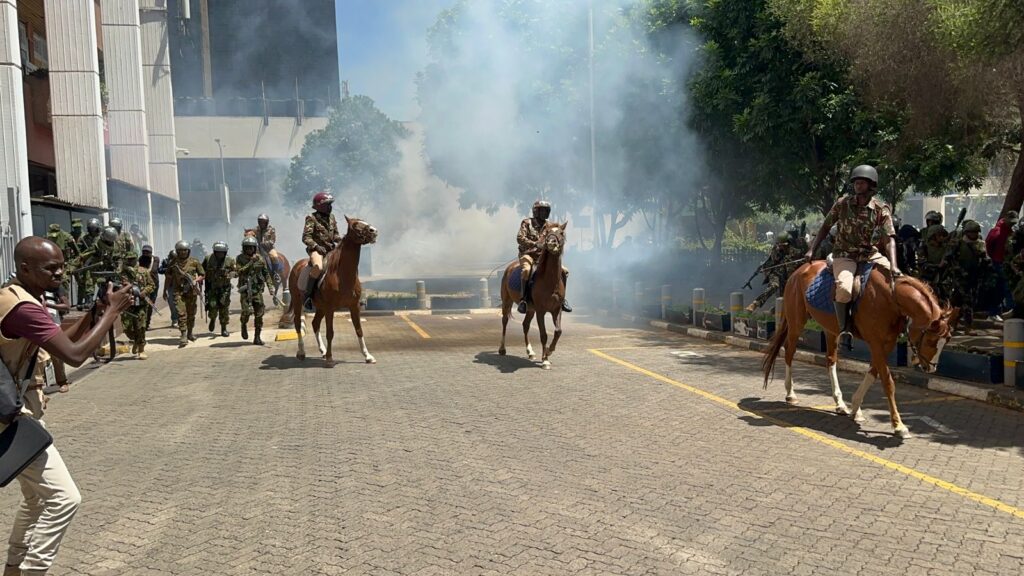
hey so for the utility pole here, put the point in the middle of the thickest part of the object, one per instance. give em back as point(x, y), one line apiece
point(224, 189)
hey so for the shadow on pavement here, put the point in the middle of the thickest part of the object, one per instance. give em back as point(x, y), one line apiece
point(505, 364)
point(824, 421)
point(233, 344)
point(282, 362)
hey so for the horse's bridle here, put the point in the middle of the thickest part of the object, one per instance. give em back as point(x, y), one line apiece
point(915, 346)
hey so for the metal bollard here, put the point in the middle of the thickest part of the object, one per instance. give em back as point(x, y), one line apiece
point(421, 295)
point(616, 293)
point(638, 297)
point(735, 307)
point(485, 294)
point(1013, 353)
point(698, 307)
point(666, 300)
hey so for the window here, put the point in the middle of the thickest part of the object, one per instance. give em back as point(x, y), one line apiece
point(23, 40)
point(39, 52)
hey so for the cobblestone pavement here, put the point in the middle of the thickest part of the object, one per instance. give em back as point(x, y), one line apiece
point(638, 453)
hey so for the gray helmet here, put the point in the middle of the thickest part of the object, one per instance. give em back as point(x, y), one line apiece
point(94, 225)
point(147, 248)
point(541, 206)
point(182, 245)
point(220, 247)
point(263, 218)
point(249, 242)
point(971, 226)
point(933, 217)
point(109, 235)
point(866, 172)
point(116, 224)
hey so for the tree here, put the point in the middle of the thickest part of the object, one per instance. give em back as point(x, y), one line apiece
point(354, 156)
point(962, 92)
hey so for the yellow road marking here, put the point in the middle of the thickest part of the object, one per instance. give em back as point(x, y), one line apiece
point(872, 405)
point(820, 438)
point(286, 335)
point(423, 334)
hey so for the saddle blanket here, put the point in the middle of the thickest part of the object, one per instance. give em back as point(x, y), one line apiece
point(819, 293)
point(515, 280)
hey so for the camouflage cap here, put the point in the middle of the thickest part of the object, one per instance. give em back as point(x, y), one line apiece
point(971, 226)
point(76, 222)
point(55, 227)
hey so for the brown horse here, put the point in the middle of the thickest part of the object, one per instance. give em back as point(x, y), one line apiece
point(548, 293)
point(340, 288)
point(280, 269)
point(880, 318)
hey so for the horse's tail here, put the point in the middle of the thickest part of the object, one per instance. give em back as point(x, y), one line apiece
point(774, 347)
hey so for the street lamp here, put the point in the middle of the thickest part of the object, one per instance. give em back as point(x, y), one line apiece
point(224, 187)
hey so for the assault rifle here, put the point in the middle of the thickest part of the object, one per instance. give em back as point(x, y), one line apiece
point(760, 268)
point(194, 286)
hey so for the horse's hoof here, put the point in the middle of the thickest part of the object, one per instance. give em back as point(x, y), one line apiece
point(300, 356)
point(532, 356)
point(546, 365)
point(903, 432)
point(842, 410)
point(859, 418)
point(328, 363)
point(501, 352)
point(371, 360)
point(792, 401)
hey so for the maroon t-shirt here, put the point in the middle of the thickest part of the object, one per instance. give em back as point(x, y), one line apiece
point(31, 322)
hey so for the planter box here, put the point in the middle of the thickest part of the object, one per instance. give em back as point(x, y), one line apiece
point(392, 303)
point(677, 317)
point(652, 311)
point(718, 322)
point(813, 340)
point(898, 357)
point(765, 330)
point(972, 367)
point(453, 302)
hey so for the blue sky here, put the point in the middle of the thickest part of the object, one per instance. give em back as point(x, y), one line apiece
point(381, 46)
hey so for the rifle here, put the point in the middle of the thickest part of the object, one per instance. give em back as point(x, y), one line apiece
point(761, 268)
point(193, 285)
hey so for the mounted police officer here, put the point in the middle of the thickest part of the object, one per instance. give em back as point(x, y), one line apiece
point(530, 249)
point(185, 274)
point(857, 217)
point(253, 277)
point(320, 235)
point(266, 238)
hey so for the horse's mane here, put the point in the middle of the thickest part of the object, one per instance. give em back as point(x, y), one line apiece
point(925, 289)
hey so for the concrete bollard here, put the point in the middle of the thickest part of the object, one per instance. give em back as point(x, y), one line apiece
point(698, 307)
point(638, 297)
point(666, 300)
point(1013, 353)
point(485, 294)
point(735, 307)
point(421, 295)
point(616, 294)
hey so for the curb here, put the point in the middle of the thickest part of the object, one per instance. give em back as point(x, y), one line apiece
point(996, 395)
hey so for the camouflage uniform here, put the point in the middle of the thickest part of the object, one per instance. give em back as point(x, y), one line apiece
point(135, 318)
point(1014, 246)
point(218, 288)
point(320, 235)
point(267, 239)
point(64, 240)
point(854, 240)
point(103, 256)
point(253, 278)
point(930, 253)
point(782, 252)
point(968, 273)
point(182, 274)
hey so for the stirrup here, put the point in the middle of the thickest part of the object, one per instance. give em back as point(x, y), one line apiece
point(307, 304)
point(522, 309)
point(565, 306)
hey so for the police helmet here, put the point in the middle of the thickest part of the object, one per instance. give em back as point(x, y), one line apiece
point(933, 217)
point(109, 235)
point(541, 209)
point(249, 242)
point(263, 218)
point(865, 172)
point(220, 247)
point(182, 245)
point(94, 225)
point(116, 224)
point(971, 226)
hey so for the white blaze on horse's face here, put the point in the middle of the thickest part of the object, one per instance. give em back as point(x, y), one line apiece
point(938, 352)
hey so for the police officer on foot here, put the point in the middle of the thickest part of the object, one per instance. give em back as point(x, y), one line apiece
point(253, 278)
point(186, 275)
point(857, 217)
point(219, 268)
point(320, 235)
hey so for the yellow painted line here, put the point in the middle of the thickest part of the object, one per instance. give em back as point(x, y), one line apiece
point(284, 335)
point(1013, 344)
point(423, 334)
point(822, 439)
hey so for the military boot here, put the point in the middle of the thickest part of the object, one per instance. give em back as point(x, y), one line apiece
point(565, 306)
point(843, 316)
point(183, 341)
point(256, 336)
point(213, 322)
point(12, 570)
point(224, 330)
point(142, 352)
point(245, 330)
point(191, 338)
point(310, 293)
point(135, 348)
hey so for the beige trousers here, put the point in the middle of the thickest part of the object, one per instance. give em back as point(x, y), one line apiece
point(50, 500)
point(316, 264)
point(845, 268)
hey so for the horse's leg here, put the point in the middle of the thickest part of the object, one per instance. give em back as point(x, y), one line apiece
point(329, 356)
point(544, 352)
point(556, 319)
point(526, 334)
point(299, 319)
point(357, 323)
point(318, 317)
point(506, 311)
point(858, 396)
point(792, 337)
point(833, 375)
point(878, 359)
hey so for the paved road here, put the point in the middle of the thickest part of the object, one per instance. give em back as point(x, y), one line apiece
point(638, 453)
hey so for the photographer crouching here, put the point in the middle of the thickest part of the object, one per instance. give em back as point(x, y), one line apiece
point(50, 495)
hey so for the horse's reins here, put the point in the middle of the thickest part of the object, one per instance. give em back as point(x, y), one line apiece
point(914, 346)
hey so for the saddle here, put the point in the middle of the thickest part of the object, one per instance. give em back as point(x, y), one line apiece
point(304, 279)
point(820, 294)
